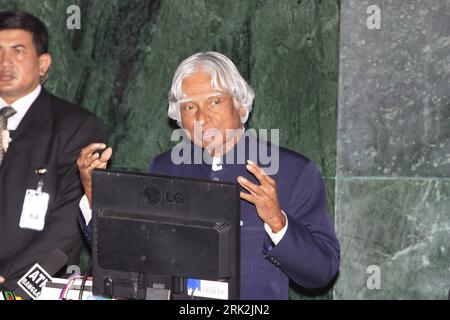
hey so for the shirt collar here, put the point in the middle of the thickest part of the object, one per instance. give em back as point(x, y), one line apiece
point(217, 163)
point(22, 106)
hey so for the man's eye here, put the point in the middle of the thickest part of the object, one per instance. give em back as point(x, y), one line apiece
point(216, 102)
point(189, 107)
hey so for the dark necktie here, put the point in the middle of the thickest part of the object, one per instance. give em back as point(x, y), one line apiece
point(5, 113)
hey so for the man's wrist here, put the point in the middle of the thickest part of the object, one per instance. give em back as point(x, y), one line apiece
point(277, 237)
point(279, 223)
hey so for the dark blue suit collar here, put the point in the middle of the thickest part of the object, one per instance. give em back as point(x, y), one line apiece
point(239, 154)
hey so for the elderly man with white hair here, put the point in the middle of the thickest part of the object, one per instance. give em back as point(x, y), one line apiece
point(286, 231)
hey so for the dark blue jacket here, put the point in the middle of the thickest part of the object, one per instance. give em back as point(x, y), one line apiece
point(309, 251)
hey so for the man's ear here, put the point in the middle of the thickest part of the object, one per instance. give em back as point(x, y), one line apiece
point(45, 60)
point(242, 112)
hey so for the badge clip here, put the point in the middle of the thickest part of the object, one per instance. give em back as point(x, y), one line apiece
point(41, 173)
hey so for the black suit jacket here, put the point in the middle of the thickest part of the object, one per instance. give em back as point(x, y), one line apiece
point(50, 136)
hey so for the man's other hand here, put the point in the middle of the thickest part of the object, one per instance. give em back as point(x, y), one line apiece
point(89, 160)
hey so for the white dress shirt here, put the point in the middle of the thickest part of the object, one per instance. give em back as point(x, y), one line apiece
point(21, 106)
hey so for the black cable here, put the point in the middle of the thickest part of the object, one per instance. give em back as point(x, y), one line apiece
point(83, 283)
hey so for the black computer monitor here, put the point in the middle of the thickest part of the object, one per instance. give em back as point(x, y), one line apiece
point(160, 237)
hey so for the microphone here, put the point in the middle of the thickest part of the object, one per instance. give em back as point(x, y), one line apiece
point(35, 279)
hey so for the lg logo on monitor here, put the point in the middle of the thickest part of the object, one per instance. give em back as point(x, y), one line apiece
point(153, 196)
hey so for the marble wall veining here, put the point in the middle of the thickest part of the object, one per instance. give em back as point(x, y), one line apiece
point(393, 160)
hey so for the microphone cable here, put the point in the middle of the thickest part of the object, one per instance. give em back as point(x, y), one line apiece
point(83, 282)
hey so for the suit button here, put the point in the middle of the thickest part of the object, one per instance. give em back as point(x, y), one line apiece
point(275, 262)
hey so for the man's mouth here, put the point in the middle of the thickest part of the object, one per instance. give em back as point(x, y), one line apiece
point(209, 134)
point(6, 77)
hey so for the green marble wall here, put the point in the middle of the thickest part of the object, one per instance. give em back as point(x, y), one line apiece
point(393, 160)
point(391, 135)
point(120, 66)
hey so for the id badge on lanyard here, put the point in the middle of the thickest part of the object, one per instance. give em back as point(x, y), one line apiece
point(35, 205)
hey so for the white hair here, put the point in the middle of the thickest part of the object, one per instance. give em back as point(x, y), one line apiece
point(223, 72)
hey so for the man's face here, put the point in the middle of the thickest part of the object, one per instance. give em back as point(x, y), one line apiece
point(20, 67)
point(213, 109)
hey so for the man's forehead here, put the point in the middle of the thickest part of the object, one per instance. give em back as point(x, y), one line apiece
point(189, 98)
point(16, 37)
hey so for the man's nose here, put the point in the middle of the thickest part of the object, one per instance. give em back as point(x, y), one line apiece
point(203, 116)
point(5, 59)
